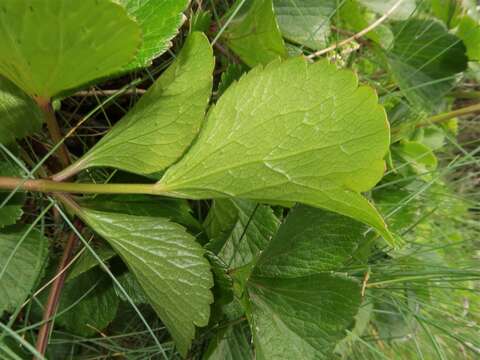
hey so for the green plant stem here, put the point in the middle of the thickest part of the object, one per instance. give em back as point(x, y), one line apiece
point(48, 186)
point(450, 115)
point(54, 130)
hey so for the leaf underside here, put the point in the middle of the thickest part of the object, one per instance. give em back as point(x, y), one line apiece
point(161, 126)
point(169, 265)
point(292, 132)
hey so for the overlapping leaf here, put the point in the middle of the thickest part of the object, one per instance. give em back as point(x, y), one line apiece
point(22, 256)
point(11, 210)
point(49, 47)
point(161, 126)
point(293, 132)
point(299, 305)
point(169, 265)
point(425, 59)
point(239, 230)
point(253, 33)
point(159, 21)
point(19, 115)
point(306, 22)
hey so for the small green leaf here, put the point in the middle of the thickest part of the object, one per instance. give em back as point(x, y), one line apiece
point(88, 303)
point(424, 60)
point(305, 22)
point(46, 49)
point(469, 32)
point(132, 288)
point(292, 132)
point(253, 34)
point(87, 261)
point(161, 126)
point(402, 12)
point(12, 210)
point(298, 304)
point(240, 230)
point(420, 157)
point(22, 258)
point(159, 21)
point(167, 262)
point(19, 114)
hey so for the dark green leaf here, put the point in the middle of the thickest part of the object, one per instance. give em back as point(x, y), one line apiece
point(22, 257)
point(425, 59)
point(88, 303)
point(231, 343)
point(253, 33)
point(298, 304)
point(12, 210)
point(240, 229)
point(87, 261)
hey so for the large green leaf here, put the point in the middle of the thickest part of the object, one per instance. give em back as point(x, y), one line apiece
point(425, 59)
point(305, 22)
point(161, 126)
point(159, 21)
point(19, 115)
point(240, 230)
point(22, 257)
point(298, 303)
point(292, 132)
point(11, 211)
point(167, 262)
point(50, 47)
point(253, 34)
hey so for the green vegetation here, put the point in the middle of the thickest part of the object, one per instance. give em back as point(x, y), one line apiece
point(250, 179)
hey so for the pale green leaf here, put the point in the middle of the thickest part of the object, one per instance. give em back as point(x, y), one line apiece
point(417, 155)
point(161, 126)
point(240, 230)
point(402, 12)
point(167, 262)
point(424, 60)
point(291, 132)
point(159, 21)
point(305, 22)
point(22, 258)
point(469, 32)
point(11, 211)
point(299, 304)
point(19, 115)
point(253, 34)
point(47, 48)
